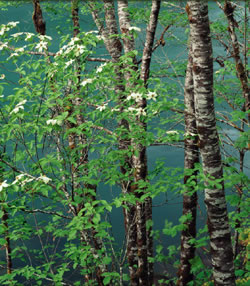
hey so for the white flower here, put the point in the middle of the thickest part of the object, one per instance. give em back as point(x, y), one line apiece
point(52, 121)
point(13, 24)
point(3, 185)
point(102, 107)
point(134, 29)
point(20, 50)
point(67, 64)
point(16, 35)
point(91, 32)
point(13, 55)
point(18, 178)
point(141, 111)
point(99, 37)
point(16, 109)
point(80, 49)
point(86, 81)
point(172, 132)
point(99, 69)
point(44, 179)
point(22, 102)
point(28, 36)
point(73, 41)
point(59, 53)
point(44, 37)
point(41, 46)
point(18, 106)
point(2, 76)
point(151, 95)
point(69, 49)
point(4, 45)
point(2, 95)
point(135, 95)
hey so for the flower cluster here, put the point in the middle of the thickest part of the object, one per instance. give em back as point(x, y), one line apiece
point(100, 68)
point(19, 106)
point(138, 111)
point(29, 178)
point(6, 28)
point(136, 96)
point(72, 45)
point(54, 122)
point(86, 81)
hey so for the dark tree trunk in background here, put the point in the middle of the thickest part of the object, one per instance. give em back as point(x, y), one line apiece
point(240, 69)
point(190, 180)
point(218, 225)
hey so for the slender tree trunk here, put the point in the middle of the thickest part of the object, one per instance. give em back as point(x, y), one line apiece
point(218, 225)
point(144, 75)
point(89, 189)
point(5, 217)
point(190, 159)
point(129, 210)
point(240, 69)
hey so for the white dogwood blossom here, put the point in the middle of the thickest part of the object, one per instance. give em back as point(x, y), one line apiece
point(151, 95)
point(13, 55)
point(135, 95)
point(100, 68)
point(54, 122)
point(44, 178)
point(2, 76)
point(19, 106)
point(86, 81)
point(102, 107)
point(172, 132)
point(3, 185)
point(44, 37)
point(16, 35)
point(4, 45)
point(13, 24)
point(80, 49)
point(41, 46)
point(28, 36)
point(70, 62)
point(134, 29)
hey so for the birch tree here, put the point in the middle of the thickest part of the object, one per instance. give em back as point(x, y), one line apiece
point(218, 225)
point(191, 158)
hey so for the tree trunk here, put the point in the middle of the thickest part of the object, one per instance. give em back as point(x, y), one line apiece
point(240, 69)
point(144, 75)
point(190, 159)
point(208, 141)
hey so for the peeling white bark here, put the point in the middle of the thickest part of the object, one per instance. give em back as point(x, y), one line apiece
point(218, 226)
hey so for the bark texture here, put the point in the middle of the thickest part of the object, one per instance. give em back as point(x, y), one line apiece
point(139, 240)
point(240, 69)
point(142, 159)
point(218, 225)
point(37, 17)
point(190, 159)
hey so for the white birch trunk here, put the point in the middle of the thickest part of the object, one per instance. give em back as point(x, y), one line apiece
point(218, 225)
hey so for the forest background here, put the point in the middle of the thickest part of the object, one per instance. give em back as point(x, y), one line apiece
point(101, 131)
